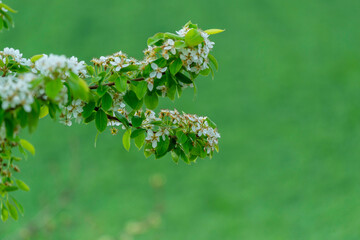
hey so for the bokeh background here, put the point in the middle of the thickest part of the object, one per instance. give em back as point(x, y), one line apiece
point(286, 100)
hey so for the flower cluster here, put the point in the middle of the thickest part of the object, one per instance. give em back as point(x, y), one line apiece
point(196, 59)
point(73, 111)
point(17, 91)
point(116, 61)
point(193, 124)
point(171, 121)
point(55, 66)
point(9, 54)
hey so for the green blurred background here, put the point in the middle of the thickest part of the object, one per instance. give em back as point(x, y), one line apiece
point(286, 101)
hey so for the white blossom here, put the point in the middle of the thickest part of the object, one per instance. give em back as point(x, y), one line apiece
point(152, 138)
point(158, 72)
point(17, 91)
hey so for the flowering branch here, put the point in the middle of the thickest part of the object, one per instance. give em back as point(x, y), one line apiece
point(110, 93)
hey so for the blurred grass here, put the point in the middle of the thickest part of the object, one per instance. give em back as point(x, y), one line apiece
point(286, 100)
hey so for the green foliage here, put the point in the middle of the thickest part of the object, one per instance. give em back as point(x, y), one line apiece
point(112, 92)
point(101, 120)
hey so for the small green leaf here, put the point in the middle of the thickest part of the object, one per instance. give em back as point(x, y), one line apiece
point(106, 101)
point(140, 89)
point(44, 111)
point(101, 120)
point(183, 78)
point(121, 84)
point(12, 210)
point(88, 109)
point(214, 31)
point(136, 121)
point(53, 88)
point(4, 214)
point(131, 99)
point(137, 132)
point(193, 38)
point(154, 39)
point(175, 66)
point(122, 119)
point(139, 140)
point(126, 139)
point(90, 70)
point(171, 92)
point(179, 44)
point(28, 146)
point(174, 157)
point(2, 5)
point(18, 205)
point(78, 86)
point(22, 185)
point(151, 100)
point(162, 146)
point(36, 57)
point(213, 61)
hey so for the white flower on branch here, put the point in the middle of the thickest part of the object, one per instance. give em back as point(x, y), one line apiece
point(158, 72)
point(152, 138)
point(17, 91)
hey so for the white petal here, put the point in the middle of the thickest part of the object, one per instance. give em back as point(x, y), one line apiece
point(152, 74)
point(154, 66)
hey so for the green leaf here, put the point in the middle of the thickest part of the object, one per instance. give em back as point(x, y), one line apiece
point(179, 44)
point(175, 66)
point(174, 157)
point(162, 146)
point(172, 36)
point(154, 39)
point(22, 185)
point(53, 88)
point(106, 101)
point(88, 109)
point(205, 72)
point(101, 90)
point(121, 84)
point(36, 57)
point(78, 87)
point(211, 123)
point(181, 137)
point(137, 133)
point(183, 78)
point(9, 125)
point(12, 210)
point(28, 146)
point(140, 89)
point(18, 205)
point(213, 61)
point(2, 5)
point(151, 100)
point(90, 118)
point(126, 139)
point(4, 213)
point(193, 38)
point(214, 31)
point(171, 92)
point(139, 140)
point(131, 99)
point(136, 121)
point(44, 111)
point(22, 116)
point(90, 70)
point(101, 120)
point(122, 119)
